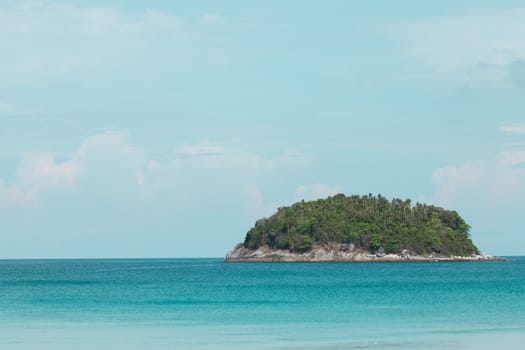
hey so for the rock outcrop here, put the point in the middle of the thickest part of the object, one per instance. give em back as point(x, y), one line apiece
point(338, 253)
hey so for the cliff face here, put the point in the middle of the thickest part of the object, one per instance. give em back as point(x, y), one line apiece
point(338, 253)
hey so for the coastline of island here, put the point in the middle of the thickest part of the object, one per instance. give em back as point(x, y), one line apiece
point(342, 253)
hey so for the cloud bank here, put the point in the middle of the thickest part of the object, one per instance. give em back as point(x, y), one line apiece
point(108, 164)
point(490, 184)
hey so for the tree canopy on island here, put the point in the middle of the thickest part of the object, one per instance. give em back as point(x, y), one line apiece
point(369, 222)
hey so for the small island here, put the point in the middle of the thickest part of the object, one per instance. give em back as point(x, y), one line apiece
point(361, 229)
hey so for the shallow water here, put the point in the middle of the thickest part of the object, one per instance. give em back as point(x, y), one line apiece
point(208, 304)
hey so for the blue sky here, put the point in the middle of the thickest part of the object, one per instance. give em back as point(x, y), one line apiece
point(165, 129)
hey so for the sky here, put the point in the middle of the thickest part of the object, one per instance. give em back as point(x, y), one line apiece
point(167, 128)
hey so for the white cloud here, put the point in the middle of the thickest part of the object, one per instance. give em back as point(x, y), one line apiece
point(106, 165)
point(43, 170)
point(228, 172)
point(255, 203)
point(37, 174)
point(41, 173)
point(215, 173)
point(509, 158)
point(474, 48)
point(106, 144)
point(478, 183)
point(489, 195)
point(513, 129)
point(12, 195)
point(514, 156)
point(316, 191)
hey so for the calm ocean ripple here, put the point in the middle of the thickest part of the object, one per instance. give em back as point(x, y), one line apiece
point(208, 304)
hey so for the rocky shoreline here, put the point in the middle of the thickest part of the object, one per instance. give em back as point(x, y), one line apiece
point(339, 253)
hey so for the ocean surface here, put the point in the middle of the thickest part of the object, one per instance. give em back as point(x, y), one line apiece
point(208, 304)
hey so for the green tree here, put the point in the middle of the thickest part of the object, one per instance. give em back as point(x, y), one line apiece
point(369, 222)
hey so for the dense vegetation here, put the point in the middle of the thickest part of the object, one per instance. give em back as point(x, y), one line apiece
point(368, 222)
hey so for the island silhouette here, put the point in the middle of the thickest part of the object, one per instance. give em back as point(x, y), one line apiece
point(358, 228)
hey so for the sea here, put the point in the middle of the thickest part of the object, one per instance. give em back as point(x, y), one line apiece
point(209, 304)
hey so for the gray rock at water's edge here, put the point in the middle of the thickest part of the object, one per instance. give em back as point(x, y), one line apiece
point(380, 252)
point(347, 247)
point(405, 253)
point(236, 252)
point(337, 252)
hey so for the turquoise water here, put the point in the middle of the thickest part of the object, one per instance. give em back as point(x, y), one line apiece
point(208, 304)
